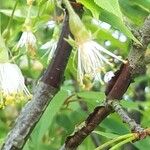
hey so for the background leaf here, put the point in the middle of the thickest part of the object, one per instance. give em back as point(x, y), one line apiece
point(91, 6)
point(131, 9)
point(47, 119)
point(112, 6)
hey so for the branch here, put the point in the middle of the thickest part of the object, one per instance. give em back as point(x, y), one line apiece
point(98, 115)
point(133, 125)
point(45, 91)
point(139, 95)
point(137, 54)
point(94, 136)
point(116, 88)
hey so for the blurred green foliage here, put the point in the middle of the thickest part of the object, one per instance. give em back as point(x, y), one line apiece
point(66, 111)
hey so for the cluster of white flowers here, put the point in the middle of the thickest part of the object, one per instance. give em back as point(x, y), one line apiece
point(91, 58)
point(12, 84)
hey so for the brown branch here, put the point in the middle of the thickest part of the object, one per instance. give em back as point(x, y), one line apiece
point(45, 91)
point(121, 82)
point(54, 73)
point(98, 115)
point(116, 88)
point(94, 137)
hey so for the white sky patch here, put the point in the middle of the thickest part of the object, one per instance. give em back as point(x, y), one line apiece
point(103, 25)
point(51, 24)
point(116, 34)
point(122, 38)
point(107, 43)
point(108, 76)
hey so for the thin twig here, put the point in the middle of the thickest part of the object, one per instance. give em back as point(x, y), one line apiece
point(126, 119)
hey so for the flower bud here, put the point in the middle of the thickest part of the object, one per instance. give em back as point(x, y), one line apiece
point(76, 26)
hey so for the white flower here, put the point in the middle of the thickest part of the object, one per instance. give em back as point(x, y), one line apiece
point(27, 39)
point(12, 80)
point(91, 60)
point(51, 47)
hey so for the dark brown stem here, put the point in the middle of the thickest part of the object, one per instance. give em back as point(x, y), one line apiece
point(45, 91)
point(94, 136)
point(91, 123)
point(119, 84)
point(54, 73)
point(116, 88)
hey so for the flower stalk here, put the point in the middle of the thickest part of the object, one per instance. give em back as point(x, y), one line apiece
point(27, 38)
point(120, 138)
point(6, 32)
point(3, 51)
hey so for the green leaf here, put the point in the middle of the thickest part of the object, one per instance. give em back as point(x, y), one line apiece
point(87, 144)
point(112, 6)
point(130, 105)
point(143, 144)
point(92, 98)
point(131, 9)
point(91, 6)
point(109, 17)
point(61, 120)
point(144, 4)
point(19, 14)
point(117, 23)
point(107, 135)
point(47, 118)
point(3, 50)
point(115, 125)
